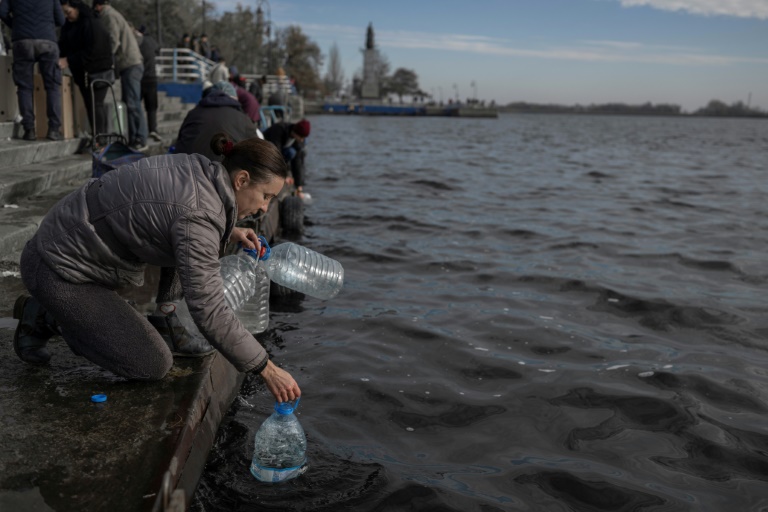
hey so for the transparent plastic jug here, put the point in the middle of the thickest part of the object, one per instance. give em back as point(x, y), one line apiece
point(246, 291)
point(280, 446)
point(303, 270)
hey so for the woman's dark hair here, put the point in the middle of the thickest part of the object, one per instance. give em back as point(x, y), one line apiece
point(260, 158)
point(82, 7)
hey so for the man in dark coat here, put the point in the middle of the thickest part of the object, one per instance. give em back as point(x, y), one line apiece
point(84, 47)
point(149, 50)
point(289, 138)
point(218, 111)
point(33, 32)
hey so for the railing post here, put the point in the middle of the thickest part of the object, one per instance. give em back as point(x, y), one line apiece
point(175, 50)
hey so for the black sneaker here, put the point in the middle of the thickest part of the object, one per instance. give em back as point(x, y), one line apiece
point(32, 332)
point(54, 135)
point(29, 135)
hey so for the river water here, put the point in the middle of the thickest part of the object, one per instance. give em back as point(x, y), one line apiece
point(540, 313)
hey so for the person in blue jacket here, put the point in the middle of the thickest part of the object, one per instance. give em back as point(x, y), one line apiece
point(33, 33)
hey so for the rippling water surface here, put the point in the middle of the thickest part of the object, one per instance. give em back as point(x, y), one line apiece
point(540, 313)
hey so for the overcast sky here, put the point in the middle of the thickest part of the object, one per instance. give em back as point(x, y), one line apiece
point(685, 52)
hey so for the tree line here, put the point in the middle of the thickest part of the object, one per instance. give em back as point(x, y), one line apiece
point(713, 108)
point(251, 43)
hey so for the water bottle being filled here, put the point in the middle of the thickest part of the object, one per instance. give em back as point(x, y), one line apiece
point(280, 447)
point(246, 289)
point(303, 270)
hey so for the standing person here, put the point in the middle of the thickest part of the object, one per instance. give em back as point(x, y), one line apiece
point(289, 139)
point(149, 50)
point(257, 88)
point(205, 46)
point(84, 47)
point(167, 210)
point(33, 33)
point(195, 44)
point(130, 67)
point(219, 72)
point(183, 42)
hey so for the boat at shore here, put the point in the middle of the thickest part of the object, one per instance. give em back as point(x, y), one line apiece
point(385, 109)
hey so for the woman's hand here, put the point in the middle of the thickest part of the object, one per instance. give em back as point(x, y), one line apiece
point(246, 236)
point(63, 64)
point(280, 383)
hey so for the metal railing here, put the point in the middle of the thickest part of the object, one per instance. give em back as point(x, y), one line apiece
point(183, 65)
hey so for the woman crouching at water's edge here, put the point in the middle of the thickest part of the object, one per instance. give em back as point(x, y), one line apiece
point(170, 211)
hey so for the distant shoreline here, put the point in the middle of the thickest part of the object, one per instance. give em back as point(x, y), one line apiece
point(504, 110)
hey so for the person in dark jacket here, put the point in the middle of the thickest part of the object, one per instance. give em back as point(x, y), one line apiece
point(33, 33)
point(218, 111)
point(84, 48)
point(149, 50)
point(166, 210)
point(289, 139)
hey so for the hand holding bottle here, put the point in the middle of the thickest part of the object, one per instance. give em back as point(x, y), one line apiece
point(247, 238)
point(280, 383)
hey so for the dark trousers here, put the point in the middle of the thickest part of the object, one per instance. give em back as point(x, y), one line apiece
point(96, 322)
point(96, 102)
point(46, 53)
point(149, 97)
point(294, 156)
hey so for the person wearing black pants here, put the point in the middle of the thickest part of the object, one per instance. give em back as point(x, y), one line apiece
point(84, 49)
point(149, 50)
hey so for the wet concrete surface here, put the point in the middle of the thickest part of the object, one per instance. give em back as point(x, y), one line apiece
point(60, 451)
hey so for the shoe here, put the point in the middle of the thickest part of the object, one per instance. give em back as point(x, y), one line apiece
point(54, 135)
point(181, 342)
point(29, 135)
point(156, 136)
point(33, 331)
point(139, 146)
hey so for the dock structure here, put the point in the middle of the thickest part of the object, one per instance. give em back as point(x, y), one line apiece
point(144, 448)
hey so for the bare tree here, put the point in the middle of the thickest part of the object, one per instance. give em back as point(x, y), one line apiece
point(334, 77)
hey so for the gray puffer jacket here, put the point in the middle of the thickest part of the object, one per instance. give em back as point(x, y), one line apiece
point(168, 210)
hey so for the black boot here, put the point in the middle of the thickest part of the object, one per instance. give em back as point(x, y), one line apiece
point(34, 329)
point(179, 340)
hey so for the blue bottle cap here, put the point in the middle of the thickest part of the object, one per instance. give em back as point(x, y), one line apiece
point(99, 398)
point(265, 253)
point(286, 407)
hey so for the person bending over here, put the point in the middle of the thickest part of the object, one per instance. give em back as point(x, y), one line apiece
point(168, 211)
point(289, 139)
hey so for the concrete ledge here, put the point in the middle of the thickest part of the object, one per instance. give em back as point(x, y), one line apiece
point(19, 152)
point(19, 182)
point(60, 451)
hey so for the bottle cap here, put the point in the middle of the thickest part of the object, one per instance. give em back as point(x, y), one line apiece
point(286, 407)
point(99, 398)
point(266, 250)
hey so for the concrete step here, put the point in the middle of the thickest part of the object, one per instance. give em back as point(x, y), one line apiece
point(16, 152)
point(6, 130)
point(20, 182)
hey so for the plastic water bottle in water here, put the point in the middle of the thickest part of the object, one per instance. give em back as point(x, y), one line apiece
point(303, 270)
point(280, 447)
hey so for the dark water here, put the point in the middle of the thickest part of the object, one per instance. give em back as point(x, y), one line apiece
point(541, 313)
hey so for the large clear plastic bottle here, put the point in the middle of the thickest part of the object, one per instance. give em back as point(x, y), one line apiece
point(304, 270)
point(246, 287)
point(246, 291)
point(280, 451)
